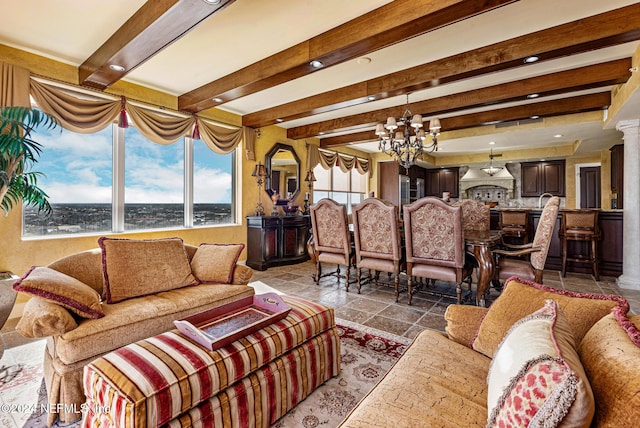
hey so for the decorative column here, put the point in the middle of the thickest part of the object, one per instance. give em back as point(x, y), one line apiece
point(630, 277)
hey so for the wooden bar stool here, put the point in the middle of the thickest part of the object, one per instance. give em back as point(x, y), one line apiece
point(515, 224)
point(580, 225)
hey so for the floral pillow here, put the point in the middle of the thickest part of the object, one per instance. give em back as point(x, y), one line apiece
point(536, 377)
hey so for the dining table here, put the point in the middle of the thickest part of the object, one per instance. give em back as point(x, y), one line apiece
point(479, 244)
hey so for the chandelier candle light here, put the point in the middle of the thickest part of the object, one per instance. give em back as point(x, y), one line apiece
point(400, 144)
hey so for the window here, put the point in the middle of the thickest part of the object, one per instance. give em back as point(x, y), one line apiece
point(77, 177)
point(345, 188)
point(117, 180)
point(153, 183)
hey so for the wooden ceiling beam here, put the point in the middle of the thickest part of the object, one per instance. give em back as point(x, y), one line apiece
point(589, 77)
point(392, 23)
point(599, 31)
point(572, 105)
point(153, 27)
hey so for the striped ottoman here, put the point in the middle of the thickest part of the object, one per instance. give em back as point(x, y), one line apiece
point(168, 380)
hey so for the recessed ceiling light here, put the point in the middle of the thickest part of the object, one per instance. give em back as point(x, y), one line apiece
point(492, 142)
point(320, 133)
point(363, 60)
point(116, 67)
point(535, 116)
point(530, 59)
point(316, 64)
point(217, 100)
point(531, 96)
point(279, 120)
point(371, 98)
point(558, 136)
point(212, 1)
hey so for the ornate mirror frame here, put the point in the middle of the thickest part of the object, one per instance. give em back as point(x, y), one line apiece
point(270, 159)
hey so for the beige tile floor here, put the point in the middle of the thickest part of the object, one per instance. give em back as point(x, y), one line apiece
point(375, 305)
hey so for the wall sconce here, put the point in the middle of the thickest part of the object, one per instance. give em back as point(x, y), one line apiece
point(259, 172)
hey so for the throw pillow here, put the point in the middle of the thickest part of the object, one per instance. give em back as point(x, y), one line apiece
point(56, 287)
point(520, 298)
point(134, 268)
point(536, 377)
point(215, 263)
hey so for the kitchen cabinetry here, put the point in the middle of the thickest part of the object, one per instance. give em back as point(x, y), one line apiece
point(617, 174)
point(442, 180)
point(275, 241)
point(543, 177)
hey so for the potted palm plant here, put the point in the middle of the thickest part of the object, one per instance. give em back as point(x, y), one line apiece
point(18, 153)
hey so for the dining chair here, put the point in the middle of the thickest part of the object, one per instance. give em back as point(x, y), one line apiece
point(376, 234)
point(532, 268)
point(475, 215)
point(515, 225)
point(434, 243)
point(332, 239)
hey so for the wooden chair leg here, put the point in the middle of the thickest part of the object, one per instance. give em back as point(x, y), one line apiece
point(564, 257)
point(459, 293)
point(359, 275)
point(347, 279)
point(594, 259)
point(397, 284)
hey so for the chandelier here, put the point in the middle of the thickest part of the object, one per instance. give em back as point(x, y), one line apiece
point(491, 170)
point(397, 141)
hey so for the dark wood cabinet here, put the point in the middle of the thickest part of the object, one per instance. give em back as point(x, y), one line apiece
point(617, 174)
point(442, 180)
point(275, 241)
point(543, 177)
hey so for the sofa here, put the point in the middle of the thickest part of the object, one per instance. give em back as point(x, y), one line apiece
point(93, 302)
point(487, 370)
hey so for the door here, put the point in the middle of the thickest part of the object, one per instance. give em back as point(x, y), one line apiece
point(590, 187)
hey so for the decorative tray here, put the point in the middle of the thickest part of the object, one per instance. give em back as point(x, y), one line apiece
point(220, 326)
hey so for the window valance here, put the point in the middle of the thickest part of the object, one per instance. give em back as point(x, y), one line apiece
point(87, 115)
point(329, 159)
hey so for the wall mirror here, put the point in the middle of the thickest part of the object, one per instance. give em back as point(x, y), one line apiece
point(283, 172)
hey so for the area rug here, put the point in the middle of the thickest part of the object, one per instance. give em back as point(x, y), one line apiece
point(366, 353)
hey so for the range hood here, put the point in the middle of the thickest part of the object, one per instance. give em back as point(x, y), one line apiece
point(475, 177)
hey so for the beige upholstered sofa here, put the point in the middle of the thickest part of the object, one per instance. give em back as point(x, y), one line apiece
point(73, 340)
point(442, 381)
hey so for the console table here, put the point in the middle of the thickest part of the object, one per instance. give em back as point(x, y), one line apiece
point(277, 240)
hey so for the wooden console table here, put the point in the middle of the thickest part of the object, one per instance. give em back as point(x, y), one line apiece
point(277, 240)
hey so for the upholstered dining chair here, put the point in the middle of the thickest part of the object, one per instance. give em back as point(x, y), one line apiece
point(332, 239)
point(376, 234)
point(532, 268)
point(434, 243)
point(475, 215)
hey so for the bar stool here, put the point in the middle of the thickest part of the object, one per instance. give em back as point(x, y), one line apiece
point(580, 225)
point(515, 224)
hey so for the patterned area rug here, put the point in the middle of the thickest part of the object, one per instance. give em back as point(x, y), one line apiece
point(367, 354)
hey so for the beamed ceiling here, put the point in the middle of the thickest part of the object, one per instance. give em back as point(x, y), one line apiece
point(460, 60)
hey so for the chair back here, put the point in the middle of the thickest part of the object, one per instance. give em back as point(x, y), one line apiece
point(475, 215)
point(433, 233)
point(511, 218)
point(376, 230)
point(544, 232)
point(579, 221)
point(330, 228)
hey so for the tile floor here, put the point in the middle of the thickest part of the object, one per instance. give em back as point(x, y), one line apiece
point(375, 305)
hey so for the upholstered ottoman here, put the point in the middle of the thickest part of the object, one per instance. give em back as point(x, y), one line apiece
point(170, 380)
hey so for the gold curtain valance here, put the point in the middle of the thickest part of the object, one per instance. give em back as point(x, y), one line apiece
point(85, 116)
point(329, 159)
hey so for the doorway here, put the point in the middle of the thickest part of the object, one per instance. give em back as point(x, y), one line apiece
point(588, 186)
